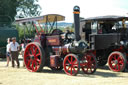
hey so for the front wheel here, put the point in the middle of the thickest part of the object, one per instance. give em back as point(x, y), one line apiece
point(71, 64)
point(117, 61)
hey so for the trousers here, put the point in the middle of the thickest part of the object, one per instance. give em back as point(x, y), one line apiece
point(14, 56)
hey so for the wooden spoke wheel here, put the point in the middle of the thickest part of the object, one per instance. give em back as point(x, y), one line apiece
point(88, 63)
point(71, 64)
point(117, 61)
point(34, 57)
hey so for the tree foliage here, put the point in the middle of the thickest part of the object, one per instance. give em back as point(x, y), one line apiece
point(21, 8)
point(28, 8)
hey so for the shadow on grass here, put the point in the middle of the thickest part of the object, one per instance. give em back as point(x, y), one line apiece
point(104, 67)
point(52, 71)
point(81, 74)
point(98, 73)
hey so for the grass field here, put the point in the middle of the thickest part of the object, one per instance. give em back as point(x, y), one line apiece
point(103, 76)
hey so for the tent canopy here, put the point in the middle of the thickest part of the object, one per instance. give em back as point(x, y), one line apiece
point(43, 19)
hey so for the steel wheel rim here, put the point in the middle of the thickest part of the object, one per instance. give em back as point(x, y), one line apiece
point(71, 65)
point(32, 57)
point(88, 64)
point(116, 62)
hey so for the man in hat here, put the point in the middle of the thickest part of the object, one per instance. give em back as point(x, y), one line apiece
point(14, 48)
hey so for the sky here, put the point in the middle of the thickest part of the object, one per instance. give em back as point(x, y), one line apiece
point(88, 8)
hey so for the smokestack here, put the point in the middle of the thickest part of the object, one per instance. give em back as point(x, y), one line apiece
point(76, 22)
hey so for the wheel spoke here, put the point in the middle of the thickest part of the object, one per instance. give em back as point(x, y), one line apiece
point(69, 61)
point(114, 57)
point(67, 64)
point(36, 65)
point(37, 54)
point(74, 69)
point(90, 69)
point(39, 61)
point(74, 61)
point(28, 64)
point(115, 66)
point(68, 68)
point(32, 66)
point(118, 58)
point(31, 50)
point(71, 70)
point(75, 65)
point(87, 69)
point(118, 67)
point(112, 62)
point(35, 51)
point(89, 58)
point(121, 62)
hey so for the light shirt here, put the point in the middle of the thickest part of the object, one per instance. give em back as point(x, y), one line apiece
point(23, 47)
point(8, 47)
point(14, 47)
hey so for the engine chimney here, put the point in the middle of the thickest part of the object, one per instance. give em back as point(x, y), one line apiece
point(76, 22)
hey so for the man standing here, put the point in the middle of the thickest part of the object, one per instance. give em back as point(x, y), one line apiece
point(14, 48)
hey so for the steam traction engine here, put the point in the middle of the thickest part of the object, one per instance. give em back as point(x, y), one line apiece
point(108, 38)
point(59, 50)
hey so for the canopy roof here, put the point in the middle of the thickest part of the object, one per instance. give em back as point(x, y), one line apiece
point(43, 19)
point(104, 18)
point(52, 18)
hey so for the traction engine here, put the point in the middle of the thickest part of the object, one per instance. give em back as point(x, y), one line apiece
point(60, 51)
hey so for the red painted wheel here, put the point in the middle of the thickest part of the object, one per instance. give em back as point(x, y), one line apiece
point(71, 64)
point(88, 63)
point(34, 57)
point(117, 61)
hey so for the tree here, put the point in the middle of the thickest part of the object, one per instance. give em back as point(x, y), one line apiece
point(26, 8)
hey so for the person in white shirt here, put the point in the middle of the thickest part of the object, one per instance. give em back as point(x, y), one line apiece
point(14, 48)
point(7, 51)
point(22, 50)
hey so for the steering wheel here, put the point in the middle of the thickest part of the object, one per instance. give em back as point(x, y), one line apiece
point(56, 32)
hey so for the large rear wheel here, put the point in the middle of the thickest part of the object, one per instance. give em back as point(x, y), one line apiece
point(71, 64)
point(34, 57)
point(117, 61)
